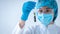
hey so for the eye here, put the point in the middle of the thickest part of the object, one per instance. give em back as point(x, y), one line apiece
point(40, 11)
point(47, 11)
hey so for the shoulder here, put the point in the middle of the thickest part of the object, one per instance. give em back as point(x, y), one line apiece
point(57, 28)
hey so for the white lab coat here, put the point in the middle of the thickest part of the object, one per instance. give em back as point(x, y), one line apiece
point(37, 28)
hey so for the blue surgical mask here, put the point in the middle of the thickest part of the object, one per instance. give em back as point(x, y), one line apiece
point(45, 18)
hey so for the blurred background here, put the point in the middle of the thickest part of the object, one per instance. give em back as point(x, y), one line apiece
point(10, 13)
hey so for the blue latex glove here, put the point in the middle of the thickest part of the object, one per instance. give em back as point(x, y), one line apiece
point(26, 9)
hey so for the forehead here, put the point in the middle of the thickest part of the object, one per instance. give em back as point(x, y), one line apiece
point(44, 8)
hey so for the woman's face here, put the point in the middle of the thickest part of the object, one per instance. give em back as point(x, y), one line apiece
point(46, 10)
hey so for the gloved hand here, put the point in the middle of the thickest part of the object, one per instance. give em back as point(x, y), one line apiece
point(26, 9)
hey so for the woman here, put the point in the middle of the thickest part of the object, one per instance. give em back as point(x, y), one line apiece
point(46, 15)
point(47, 11)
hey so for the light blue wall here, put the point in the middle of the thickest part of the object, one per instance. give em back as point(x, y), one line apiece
point(10, 12)
point(8, 15)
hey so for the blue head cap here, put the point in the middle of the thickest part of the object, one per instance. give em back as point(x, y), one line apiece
point(48, 3)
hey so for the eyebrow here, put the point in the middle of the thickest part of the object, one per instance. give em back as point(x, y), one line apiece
point(48, 8)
